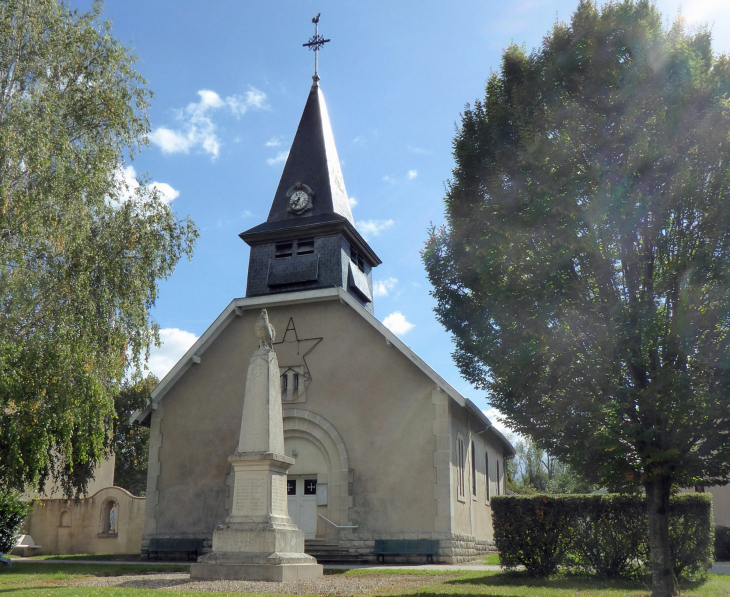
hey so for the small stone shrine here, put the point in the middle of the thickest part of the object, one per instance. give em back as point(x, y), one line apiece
point(258, 540)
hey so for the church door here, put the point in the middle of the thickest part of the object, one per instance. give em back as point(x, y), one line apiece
point(302, 497)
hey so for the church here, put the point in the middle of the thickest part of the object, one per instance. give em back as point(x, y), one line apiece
point(384, 447)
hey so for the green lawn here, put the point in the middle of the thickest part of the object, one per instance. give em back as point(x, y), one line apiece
point(492, 559)
point(52, 580)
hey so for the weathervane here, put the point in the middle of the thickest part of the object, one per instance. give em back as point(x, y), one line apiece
point(315, 44)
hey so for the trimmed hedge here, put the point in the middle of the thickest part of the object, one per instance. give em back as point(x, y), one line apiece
point(534, 531)
point(610, 536)
point(602, 535)
point(692, 535)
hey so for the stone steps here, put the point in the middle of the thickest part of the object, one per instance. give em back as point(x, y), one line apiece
point(330, 553)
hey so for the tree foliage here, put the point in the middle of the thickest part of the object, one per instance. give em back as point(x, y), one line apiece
point(584, 270)
point(131, 442)
point(534, 470)
point(81, 251)
point(13, 511)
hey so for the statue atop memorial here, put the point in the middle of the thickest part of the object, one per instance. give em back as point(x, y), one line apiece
point(265, 331)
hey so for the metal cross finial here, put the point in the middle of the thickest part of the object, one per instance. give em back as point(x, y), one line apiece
point(315, 43)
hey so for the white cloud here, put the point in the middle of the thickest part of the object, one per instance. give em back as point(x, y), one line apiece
point(397, 323)
point(175, 343)
point(280, 157)
point(167, 193)
point(497, 419)
point(255, 98)
point(387, 178)
point(197, 127)
point(127, 185)
point(412, 174)
point(373, 227)
point(359, 139)
point(208, 99)
point(247, 214)
point(170, 141)
point(125, 179)
point(353, 202)
point(383, 287)
point(273, 142)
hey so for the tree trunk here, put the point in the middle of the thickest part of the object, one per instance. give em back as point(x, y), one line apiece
point(663, 581)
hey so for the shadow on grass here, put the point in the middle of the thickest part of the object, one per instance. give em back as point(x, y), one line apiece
point(562, 582)
point(72, 569)
point(28, 587)
point(106, 557)
point(522, 579)
point(405, 571)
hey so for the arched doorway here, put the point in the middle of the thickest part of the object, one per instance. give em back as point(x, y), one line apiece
point(318, 493)
point(311, 467)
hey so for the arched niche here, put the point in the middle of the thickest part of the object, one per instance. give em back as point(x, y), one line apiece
point(109, 522)
point(64, 518)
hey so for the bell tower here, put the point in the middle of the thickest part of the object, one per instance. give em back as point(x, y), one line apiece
point(309, 240)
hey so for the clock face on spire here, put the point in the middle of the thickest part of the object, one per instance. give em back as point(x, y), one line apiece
point(300, 198)
point(299, 201)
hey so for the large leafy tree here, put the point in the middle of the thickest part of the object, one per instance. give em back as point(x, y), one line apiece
point(82, 247)
point(131, 442)
point(584, 269)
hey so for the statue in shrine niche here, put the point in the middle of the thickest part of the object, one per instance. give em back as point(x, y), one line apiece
point(113, 519)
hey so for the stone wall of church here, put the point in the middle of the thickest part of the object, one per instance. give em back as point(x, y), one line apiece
point(472, 515)
point(454, 548)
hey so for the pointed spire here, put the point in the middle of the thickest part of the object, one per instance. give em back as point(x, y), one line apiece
point(312, 162)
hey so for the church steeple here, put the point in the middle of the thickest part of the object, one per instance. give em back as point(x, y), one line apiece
point(309, 240)
point(312, 162)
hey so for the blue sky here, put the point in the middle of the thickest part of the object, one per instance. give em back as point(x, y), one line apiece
point(230, 80)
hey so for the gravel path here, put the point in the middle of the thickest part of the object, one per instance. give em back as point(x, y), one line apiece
point(336, 584)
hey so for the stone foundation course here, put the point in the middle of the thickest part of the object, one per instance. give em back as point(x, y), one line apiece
point(454, 548)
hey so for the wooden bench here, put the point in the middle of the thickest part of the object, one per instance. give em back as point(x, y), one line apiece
point(405, 547)
point(160, 545)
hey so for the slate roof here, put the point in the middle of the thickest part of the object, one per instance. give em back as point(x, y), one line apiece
point(313, 161)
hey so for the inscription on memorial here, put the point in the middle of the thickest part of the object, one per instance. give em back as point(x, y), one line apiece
point(278, 495)
point(250, 496)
